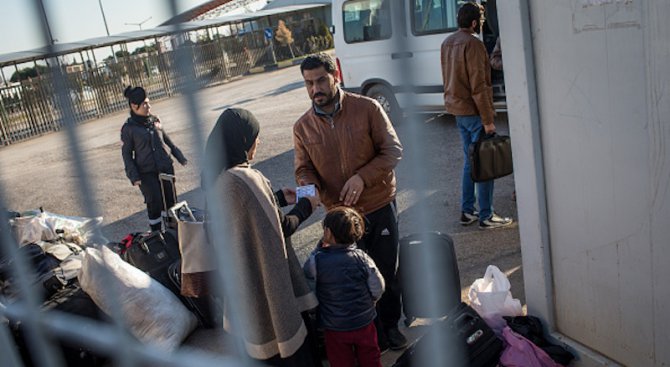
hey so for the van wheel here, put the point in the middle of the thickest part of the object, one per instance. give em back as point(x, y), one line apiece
point(386, 98)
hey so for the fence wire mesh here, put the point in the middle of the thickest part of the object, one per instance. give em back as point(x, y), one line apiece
point(61, 98)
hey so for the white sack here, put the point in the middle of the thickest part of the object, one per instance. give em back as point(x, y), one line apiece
point(153, 314)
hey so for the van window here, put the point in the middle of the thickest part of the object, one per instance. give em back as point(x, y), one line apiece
point(366, 20)
point(433, 16)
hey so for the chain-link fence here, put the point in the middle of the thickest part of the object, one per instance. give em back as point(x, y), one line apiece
point(60, 97)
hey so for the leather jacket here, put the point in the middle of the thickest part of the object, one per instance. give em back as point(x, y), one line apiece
point(356, 139)
point(466, 74)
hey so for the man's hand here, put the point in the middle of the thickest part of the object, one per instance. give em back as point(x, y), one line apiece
point(315, 201)
point(289, 195)
point(137, 183)
point(490, 128)
point(352, 190)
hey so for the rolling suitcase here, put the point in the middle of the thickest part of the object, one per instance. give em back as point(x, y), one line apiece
point(463, 339)
point(207, 308)
point(153, 252)
point(169, 196)
point(429, 276)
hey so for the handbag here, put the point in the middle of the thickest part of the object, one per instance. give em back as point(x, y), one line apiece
point(198, 259)
point(490, 157)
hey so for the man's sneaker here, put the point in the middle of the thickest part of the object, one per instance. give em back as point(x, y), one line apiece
point(495, 221)
point(396, 340)
point(467, 218)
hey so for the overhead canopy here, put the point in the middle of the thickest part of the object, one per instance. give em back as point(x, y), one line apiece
point(164, 30)
point(278, 4)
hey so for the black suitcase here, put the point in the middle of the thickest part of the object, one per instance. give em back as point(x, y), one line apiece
point(429, 276)
point(207, 309)
point(153, 252)
point(463, 339)
point(71, 299)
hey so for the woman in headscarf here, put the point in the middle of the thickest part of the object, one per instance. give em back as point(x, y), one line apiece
point(266, 296)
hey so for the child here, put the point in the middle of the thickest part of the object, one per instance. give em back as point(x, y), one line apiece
point(348, 285)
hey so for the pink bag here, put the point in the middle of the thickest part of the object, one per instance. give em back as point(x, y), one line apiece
point(521, 352)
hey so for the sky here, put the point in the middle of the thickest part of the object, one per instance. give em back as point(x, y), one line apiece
point(75, 20)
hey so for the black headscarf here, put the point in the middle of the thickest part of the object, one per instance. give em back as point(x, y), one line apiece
point(231, 138)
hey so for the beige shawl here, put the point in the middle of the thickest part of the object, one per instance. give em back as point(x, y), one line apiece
point(270, 289)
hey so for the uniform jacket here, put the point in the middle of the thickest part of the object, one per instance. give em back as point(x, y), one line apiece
point(466, 74)
point(347, 285)
point(146, 149)
point(358, 138)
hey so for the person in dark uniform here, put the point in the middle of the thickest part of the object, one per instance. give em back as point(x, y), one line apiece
point(146, 153)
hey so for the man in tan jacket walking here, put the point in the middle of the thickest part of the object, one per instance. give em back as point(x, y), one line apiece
point(346, 146)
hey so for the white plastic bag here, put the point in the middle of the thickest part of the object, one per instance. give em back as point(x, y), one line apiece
point(34, 226)
point(490, 296)
point(153, 314)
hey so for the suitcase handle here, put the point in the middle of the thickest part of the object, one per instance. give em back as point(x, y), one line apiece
point(463, 320)
point(182, 205)
point(166, 177)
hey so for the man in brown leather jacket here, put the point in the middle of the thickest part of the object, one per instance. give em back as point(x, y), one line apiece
point(346, 146)
point(468, 95)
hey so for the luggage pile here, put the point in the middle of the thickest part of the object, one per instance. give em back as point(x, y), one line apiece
point(52, 249)
point(78, 272)
point(489, 332)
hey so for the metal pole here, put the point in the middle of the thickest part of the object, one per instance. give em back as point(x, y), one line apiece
point(45, 20)
point(104, 20)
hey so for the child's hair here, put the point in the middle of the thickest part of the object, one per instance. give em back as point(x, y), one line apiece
point(345, 223)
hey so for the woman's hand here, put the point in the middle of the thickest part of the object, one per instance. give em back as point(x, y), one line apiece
point(289, 195)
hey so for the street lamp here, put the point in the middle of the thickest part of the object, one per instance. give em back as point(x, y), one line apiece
point(140, 23)
point(104, 20)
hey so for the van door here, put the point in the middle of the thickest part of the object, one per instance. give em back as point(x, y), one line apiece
point(429, 22)
point(365, 44)
point(381, 41)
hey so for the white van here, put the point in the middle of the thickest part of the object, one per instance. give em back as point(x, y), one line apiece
point(376, 40)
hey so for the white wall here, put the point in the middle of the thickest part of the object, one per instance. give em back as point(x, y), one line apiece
point(588, 85)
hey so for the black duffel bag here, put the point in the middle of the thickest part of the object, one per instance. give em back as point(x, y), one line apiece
point(72, 300)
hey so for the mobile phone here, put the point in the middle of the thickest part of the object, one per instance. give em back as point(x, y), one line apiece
point(302, 191)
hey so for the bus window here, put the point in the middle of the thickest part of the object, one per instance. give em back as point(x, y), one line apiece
point(433, 16)
point(366, 20)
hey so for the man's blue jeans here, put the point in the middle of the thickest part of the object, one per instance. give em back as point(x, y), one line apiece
point(470, 127)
